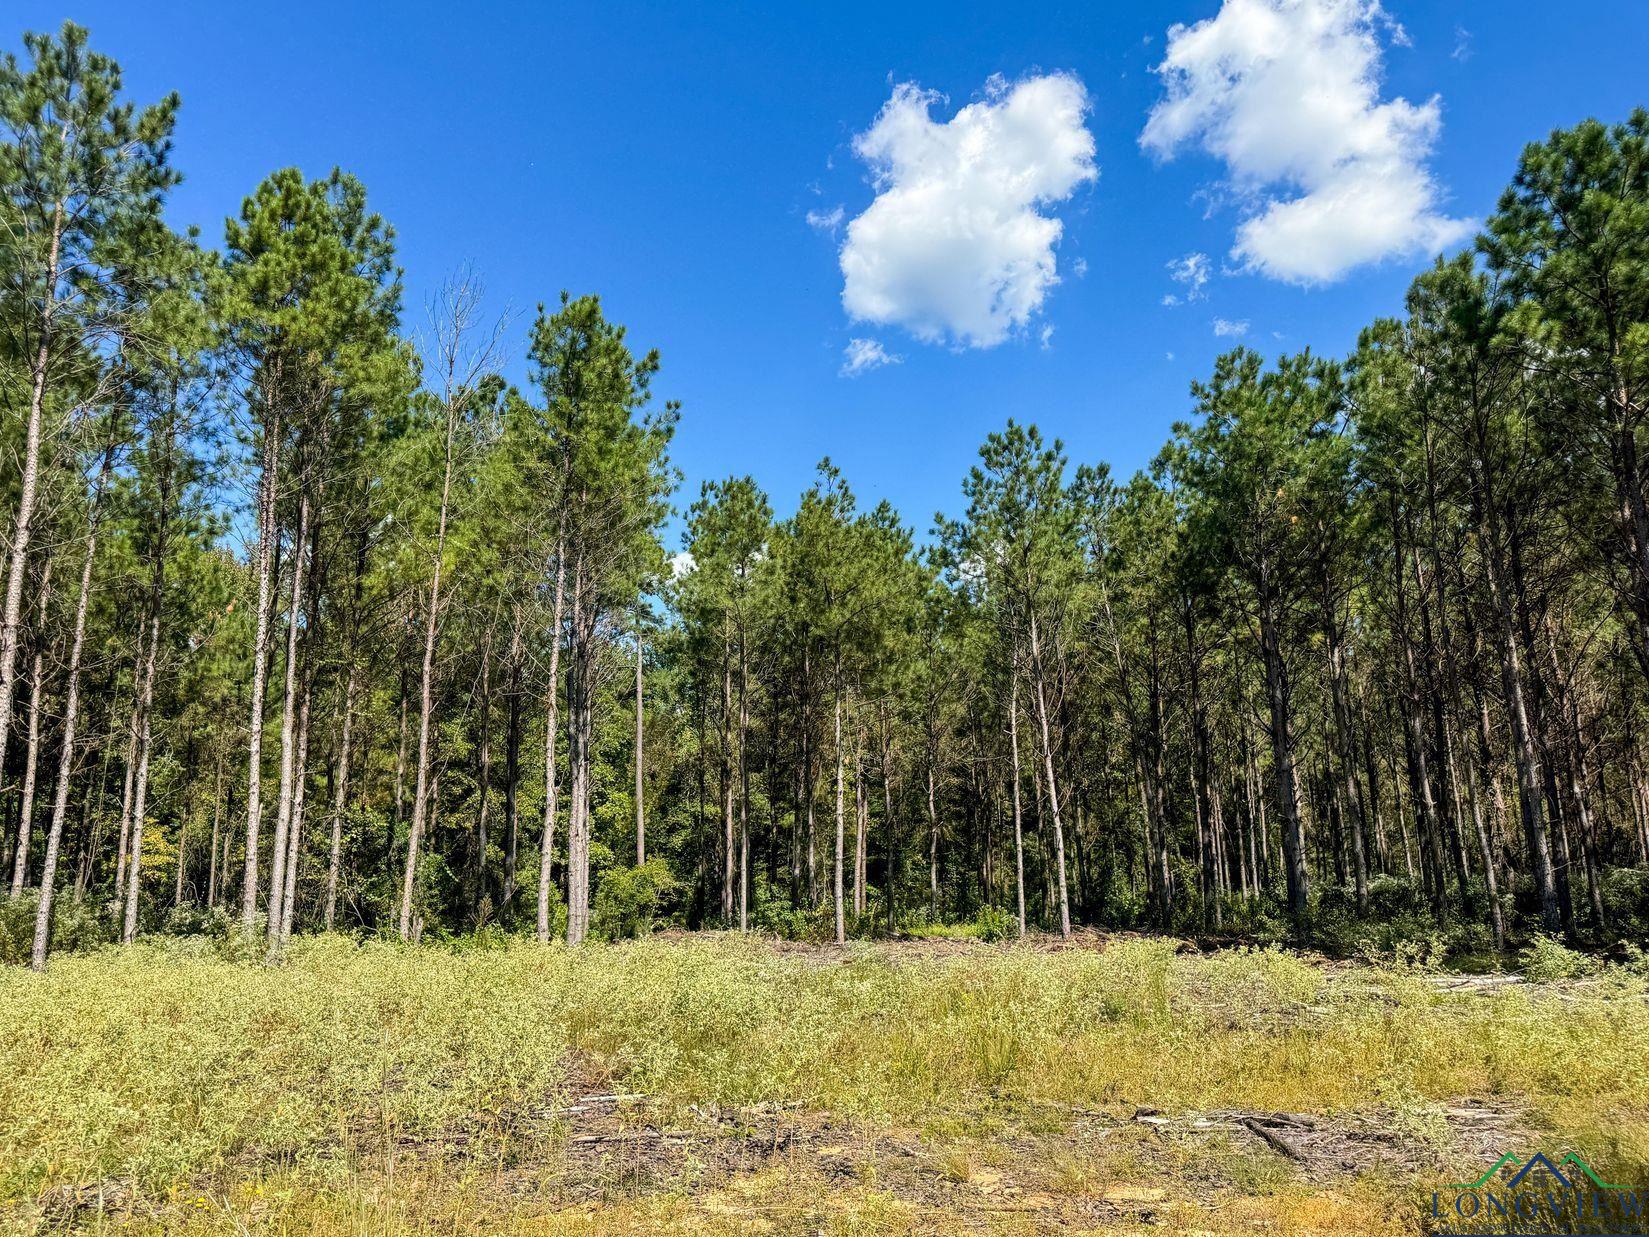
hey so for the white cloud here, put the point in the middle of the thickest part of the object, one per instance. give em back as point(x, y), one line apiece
point(863, 355)
point(826, 220)
point(681, 564)
point(1287, 94)
point(956, 248)
point(1192, 270)
point(1225, 328)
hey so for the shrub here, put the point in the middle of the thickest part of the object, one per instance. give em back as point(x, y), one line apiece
point(994, 923)
point(1548, 958)
point(627, 900)
point(17, 926)
point(486, 939)
point(771, 912)
point(1261, 921)
point(77, 927)
point(1626, 901)
point(1636, 961)
point(1332, 924)
point(191, 920)
point(1472, 938)
point(1391, 896)
point(1121, 903)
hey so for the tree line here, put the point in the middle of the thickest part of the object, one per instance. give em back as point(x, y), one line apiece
point(313, 621)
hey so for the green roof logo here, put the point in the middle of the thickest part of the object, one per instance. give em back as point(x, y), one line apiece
point(1577, 1168)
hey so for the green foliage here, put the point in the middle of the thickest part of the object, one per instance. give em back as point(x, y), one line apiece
point(993, 924)
point(1312, 618)
point(557, 916)
point(311, 282)
point(1547, 958)
point(1392, 896)
point(211, 922)
point(627, 900)
point(772, 912)
point(1625, 894)
point(76, 926)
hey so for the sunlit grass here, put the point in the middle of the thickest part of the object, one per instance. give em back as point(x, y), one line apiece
point(191, 1077)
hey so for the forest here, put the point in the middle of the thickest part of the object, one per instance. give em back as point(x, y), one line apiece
point(313, 622)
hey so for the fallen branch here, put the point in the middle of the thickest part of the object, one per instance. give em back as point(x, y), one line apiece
point(1473, 983)
point(1272, 1139)
point(644, 1136)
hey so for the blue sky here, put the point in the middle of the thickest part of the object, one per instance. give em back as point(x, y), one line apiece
point(668, 157)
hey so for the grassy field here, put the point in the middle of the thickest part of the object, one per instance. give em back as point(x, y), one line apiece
point(718, 1085)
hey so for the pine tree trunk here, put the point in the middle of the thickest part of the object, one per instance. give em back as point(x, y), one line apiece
point(1421, 773)
point(1053, 786)
point(1525, 755)
point(340, 795)
point(289, 731)
point(294, 837)
point(841, 822)
point(1018, 809)
point(400, 780)
point(31, 762)
point(810, 787)
point(91, 830)
point(478, 875)
point(1627, 473)
point(512, 776)
point(641, 799)
point(157, 586)
point(1282, 750)
point(1491, 884)
point(71, 718)
point(268, 534)
point(933, 847)
point(183, 839)
point(1344, 754)
point(580, 717)
point(129, 783)
point(861, 829)
point(729, 853)
point(217, 826)
point(744, 780)
point(1201, 798)
point(28, 486)
point(140, 796)
point(426, 689)
point(420, 792)
point(228, 837)
point(1371, 772)
point(547, 840)
point(891, 825)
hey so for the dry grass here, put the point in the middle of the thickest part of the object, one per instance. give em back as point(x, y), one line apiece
point(373, 1088)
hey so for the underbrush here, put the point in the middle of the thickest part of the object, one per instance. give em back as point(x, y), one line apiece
point(76, 926)
point(169, 1063)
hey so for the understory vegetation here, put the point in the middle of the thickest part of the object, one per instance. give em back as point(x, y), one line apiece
point(191, 1088)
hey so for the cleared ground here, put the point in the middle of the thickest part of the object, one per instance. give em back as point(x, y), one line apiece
point(711, 1084)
